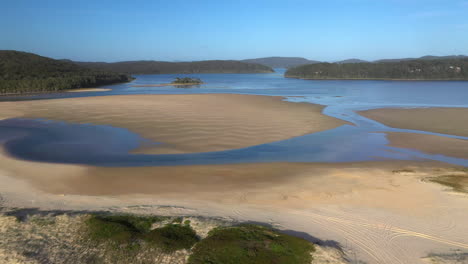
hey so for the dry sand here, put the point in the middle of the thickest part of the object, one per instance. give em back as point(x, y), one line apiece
point(451, 121)
point(430, 144)
point(186, 123)
point(381, 212)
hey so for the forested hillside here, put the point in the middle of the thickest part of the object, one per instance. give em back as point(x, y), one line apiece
point(22, 72)
point(281, 62)
point(162, 67)
point(440, 69)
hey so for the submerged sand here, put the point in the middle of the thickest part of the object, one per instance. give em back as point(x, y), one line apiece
point(450, 121)
point(186, 123)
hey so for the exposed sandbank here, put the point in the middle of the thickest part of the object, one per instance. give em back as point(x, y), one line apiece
point(186, 123)
point(431, 144)
point(451, 121)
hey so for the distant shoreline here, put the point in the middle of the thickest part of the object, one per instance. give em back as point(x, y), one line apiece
point(375, 79)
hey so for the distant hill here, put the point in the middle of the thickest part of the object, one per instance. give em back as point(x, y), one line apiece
point(429, 57)
point(351, 61)
point(22, 72)
point(420, 69)
point(162, 67)
point(281, 62)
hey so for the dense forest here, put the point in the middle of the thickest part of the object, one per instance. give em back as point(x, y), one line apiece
point(439, 69)
point(22, 72)
point(162, 67)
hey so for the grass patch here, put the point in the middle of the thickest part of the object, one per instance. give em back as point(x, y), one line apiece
point(251, 244)
point(403, 171)
point(458, 183)
point(172, 237)
point(130, 230)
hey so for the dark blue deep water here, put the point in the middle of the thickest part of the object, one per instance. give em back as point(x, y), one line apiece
point(50, 141)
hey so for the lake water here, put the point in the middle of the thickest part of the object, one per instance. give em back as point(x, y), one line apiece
point(108, 146)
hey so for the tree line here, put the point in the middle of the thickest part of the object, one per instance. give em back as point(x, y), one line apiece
point(441, 69)
point(22, 72)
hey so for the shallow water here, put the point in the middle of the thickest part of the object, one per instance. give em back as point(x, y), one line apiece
point(108, 146)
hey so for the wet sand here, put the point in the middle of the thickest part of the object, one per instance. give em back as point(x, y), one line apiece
point(450, 121)
point(186, 123)
point(430, 144)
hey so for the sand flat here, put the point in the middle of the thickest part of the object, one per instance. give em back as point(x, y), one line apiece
point(430, 144)
point(186, 123)
point(451, 121)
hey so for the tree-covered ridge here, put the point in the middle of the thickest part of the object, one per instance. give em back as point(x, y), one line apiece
point(22, 72)
point(162, 67)
point(441, 69)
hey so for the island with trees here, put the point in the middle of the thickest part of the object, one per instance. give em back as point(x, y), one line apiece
point(419, 69)
point(22, 72)
point(187, 81)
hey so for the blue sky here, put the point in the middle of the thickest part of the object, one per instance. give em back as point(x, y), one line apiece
point(105, 30)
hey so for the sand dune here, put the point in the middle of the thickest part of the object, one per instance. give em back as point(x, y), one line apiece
point(451, 121)
point(186, 123)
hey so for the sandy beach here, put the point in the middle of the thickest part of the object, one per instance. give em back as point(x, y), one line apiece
point(379, 212)
point(368, 207)
point(186, 123)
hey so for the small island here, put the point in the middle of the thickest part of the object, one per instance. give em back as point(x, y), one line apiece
point(178, 82)
point(187, 81)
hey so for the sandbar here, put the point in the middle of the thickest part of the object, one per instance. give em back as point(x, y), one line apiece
point(185, 123)
point(430, 144)
point(451, 121)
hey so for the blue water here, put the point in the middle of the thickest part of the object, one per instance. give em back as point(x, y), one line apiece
point(365, 140)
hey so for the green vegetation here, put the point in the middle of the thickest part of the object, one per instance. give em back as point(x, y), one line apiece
point(421, 69)
point(403, 171)
point(129, 231)
point(187, 80)
point(249, 244)
point(458, 183)
point(22, 72)
point(172, 237)
point(163, 67)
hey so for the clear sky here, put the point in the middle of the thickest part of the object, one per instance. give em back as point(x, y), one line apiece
point(113, 30)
